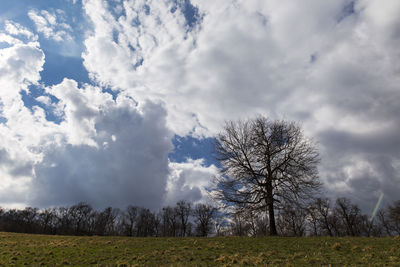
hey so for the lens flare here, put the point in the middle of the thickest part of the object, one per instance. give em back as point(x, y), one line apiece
point(377, 206)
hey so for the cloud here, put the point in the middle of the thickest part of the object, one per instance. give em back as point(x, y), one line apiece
point(189, 180)
point(104, 151)
point(184, 67)
point(20, 64)
point(362, 165)
point(332, 65)
point(147, 36)
point(51, 24)
point(18, 30)
point(218, 70)
point(16, 172)
point(126, 162)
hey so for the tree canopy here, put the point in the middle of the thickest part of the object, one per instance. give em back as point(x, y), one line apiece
point(264, 165)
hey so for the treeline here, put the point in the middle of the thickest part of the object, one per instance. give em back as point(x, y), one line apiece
point(184, 219)
point(318, 218)
point(321, 217)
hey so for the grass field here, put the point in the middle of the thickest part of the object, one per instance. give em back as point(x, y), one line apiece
point(35, 250)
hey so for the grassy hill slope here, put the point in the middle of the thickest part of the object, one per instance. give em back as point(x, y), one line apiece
point(33, 250)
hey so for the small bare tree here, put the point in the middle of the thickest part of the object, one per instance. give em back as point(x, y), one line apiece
point(320, 215)
point(350, 216)
point(389, 219)
point(394, 216)
point(265, 163)
point(292, 220)
point(170, 221)
point(204, 215)
point(130, 220)
point(183, 210)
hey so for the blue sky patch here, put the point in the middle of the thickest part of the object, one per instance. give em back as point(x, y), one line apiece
point(30, 101)
point(113, 93)
point(189, 11)
point(58, 67)
point(2, 119)
point(347, 10)
point(188, 147)
point(313, 57)
point(116, 9)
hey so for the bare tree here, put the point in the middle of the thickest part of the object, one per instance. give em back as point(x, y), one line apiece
point(350, 216)
point(239, 225)
point(47, 220)
point(204, 215)
point(261, 223)
point(394, 216)
point(265, 163)
point(80, 214)
point(29, 217)
point(129, 219)
point(313, 220)
point(170, 221)
point(248, 223)
point(183, 210)
point(320, 214)
point(384, 222)
point(389, 219)
point(64, 221)
point(222, 227)
point(146, 225)
point(292, 220)
point(105, 221)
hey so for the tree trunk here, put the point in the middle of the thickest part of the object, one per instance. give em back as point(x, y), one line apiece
point(270, 207)
point(271, 215)
point(328, 227)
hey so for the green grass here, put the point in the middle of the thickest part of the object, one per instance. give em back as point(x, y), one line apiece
point(35, 250)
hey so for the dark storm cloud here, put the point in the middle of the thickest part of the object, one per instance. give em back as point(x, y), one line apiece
point(15, 168)
point(367, 163)
point(380, 141)
point(129, 167)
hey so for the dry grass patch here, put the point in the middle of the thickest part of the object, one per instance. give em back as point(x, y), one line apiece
point(33, 250)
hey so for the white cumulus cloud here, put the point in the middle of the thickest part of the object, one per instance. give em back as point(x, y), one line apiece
point(189, 180)
point(331, 65)
point(51, 24)
point(104, 151)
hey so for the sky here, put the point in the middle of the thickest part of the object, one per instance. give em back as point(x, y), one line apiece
point(118, 102)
